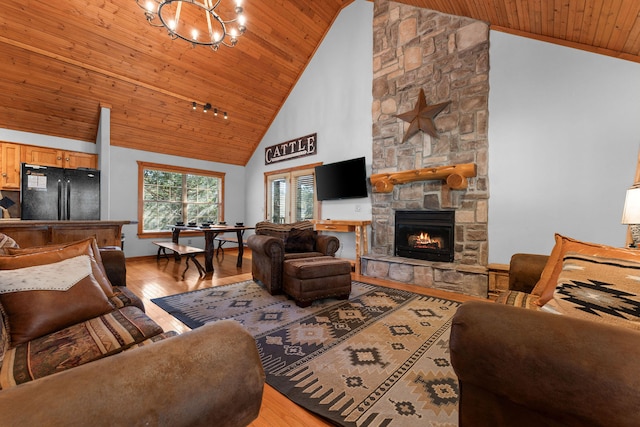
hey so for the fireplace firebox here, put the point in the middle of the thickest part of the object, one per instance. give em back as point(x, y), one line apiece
point(427, 235)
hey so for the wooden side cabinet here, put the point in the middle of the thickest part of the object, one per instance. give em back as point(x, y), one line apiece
point(10, 166)
point(498, 279)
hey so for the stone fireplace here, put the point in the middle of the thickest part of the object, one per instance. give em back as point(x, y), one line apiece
point(427, 235)
point(448, 57)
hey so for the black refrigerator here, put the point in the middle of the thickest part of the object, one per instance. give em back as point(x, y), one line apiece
point(50, 193)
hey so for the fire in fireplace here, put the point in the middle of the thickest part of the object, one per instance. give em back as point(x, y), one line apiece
point(427, 235)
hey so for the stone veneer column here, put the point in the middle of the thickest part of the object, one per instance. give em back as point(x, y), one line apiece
point(447, 56)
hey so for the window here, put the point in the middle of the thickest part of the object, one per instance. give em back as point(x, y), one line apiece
point(167, 194)
point(291, 195)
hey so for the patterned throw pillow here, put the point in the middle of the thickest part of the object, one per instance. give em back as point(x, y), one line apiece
point(281, 230)
point(546, 286)
point(6, 242)
point(96, 260)
point(78, 344)
point(599, 288)
point(300, 241)
point(33, 310)
point(519, 299)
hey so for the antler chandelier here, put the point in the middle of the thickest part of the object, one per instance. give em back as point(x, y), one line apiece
point(198, 23)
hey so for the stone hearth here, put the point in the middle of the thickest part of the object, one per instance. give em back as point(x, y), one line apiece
point(448, 57)
point(467, 279)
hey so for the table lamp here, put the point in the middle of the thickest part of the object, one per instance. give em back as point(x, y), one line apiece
point(631, 214)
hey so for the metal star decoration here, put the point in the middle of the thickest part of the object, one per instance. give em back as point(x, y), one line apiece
point(422, 117)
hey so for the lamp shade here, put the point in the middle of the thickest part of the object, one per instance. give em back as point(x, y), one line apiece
point(631, 211)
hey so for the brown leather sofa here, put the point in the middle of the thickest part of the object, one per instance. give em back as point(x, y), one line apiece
point(209, 376)
point(523, 367)
point(272, 244)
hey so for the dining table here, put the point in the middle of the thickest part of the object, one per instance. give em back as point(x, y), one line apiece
point(210, 233)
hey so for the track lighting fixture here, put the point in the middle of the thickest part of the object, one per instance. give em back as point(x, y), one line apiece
point(206, 107)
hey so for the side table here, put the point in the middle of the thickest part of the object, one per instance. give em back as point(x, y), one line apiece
point(359, 227)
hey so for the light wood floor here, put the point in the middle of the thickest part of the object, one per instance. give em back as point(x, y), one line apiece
point(150, 278)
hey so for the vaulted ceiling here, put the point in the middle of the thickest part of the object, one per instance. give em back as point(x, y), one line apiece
point(61, 60)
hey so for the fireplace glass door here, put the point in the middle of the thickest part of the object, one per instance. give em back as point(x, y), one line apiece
point(427, 235)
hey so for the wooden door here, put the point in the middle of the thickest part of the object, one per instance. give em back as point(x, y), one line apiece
point(10, 165)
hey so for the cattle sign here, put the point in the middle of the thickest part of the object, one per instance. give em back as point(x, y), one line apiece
point(299, 147)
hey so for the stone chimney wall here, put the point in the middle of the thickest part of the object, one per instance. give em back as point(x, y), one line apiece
point(448, 57)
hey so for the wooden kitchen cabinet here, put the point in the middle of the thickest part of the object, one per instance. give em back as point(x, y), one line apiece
point(42, 156)
point(45, 156)
point(74, 160)
point(11, 155)
point(10, 166)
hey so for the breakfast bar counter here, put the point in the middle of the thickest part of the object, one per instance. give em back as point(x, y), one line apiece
point(29, 233)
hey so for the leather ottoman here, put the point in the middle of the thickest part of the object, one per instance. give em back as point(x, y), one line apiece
point(309, 279)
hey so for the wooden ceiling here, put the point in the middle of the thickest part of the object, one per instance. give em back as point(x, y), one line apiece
point(609, 27)
point(61, 60)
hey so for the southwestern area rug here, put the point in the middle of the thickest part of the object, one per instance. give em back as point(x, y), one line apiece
point(379, 359)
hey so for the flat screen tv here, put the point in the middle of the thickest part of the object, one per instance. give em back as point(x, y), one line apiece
point(341, 180)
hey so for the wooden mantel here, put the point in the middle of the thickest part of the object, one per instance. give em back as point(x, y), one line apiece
point(456, 176)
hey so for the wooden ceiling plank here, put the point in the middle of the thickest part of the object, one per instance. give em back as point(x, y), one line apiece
point(48, 124)
point(561, 19)
point(537, 17)
point(628, 14)
point(524, 18)
point(179, 142)
point(592, 19)
point(186, 84)
point(196, 149)
point(607, 23)
point(36, 101)
point(547, 14)
point(497, 13)
point(471, 10)
point(513, 17)
point(632, 44)
point(575, 20)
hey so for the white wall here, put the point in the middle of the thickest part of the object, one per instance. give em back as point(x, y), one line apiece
point(122, 175)
point(564, 133)
point(124, 198)
point(333, 99)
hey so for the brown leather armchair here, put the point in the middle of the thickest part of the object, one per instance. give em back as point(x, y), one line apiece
point(524, 367)
point(519, 367)
point(272, 244)
point(525, 271)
